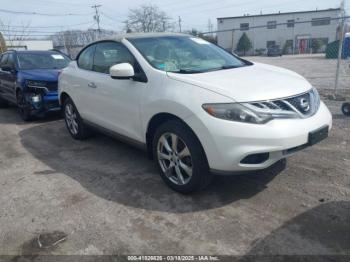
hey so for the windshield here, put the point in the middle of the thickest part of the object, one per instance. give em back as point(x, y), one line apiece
point(182, 54)
point(42, 61)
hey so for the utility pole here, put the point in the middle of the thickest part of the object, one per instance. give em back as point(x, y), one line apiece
point(210, 27)
point(340, 49)
point(180, 24)
point(97, 17)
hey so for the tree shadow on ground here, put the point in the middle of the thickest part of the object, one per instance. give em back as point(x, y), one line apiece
point(320, 234)
point(118, 172)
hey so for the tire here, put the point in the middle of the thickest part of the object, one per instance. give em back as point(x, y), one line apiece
point(24, 108)
point(74, 123)
point(3, 103)
point(346, 109)
point(170, 162)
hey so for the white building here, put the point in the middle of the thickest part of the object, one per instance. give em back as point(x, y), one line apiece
point(29, 44)
point(295, 30)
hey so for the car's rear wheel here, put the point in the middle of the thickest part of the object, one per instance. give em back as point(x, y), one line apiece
point(180, 158)
point(24, 108)
point(74, 122)
point(346, 109)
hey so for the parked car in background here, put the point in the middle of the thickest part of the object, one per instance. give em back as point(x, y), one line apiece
point(28, 79)
point(197, 109)
point(274, 51)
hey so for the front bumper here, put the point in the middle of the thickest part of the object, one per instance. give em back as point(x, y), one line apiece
point(45, 102)
point(227, 143)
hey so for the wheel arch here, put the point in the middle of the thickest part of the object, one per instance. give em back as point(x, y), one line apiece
point(63, 97)
point(158, 120)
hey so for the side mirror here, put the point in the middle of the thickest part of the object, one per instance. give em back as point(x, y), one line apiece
point(122, 71)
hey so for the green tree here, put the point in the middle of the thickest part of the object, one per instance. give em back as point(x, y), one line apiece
point(288, 45)
point(244, 44)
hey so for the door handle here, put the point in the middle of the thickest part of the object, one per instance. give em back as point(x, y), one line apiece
point(92, 85)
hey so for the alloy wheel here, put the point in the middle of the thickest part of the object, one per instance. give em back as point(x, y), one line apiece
point(174, 159)
point(71, 119)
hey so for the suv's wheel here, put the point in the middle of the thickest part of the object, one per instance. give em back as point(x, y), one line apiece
point(180, 158)
point(346, 109)
point(74, 122)
point(24, 108)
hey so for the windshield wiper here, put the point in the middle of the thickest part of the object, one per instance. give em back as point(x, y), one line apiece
point(230, 66)
point(187, 71)
point(194, 71)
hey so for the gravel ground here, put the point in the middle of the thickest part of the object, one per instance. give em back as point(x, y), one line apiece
point(104, 197)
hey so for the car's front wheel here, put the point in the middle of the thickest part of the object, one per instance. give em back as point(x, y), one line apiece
point(24, 107)
point(74, 122)
point(180, 157)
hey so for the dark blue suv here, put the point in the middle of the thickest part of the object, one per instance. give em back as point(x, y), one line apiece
point(28, 79)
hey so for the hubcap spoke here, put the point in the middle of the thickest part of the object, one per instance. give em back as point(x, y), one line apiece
point(179, 175)
point(185, 152)
point(166, 144)
point(174, 140)
point(186, 168)
point(164, 156)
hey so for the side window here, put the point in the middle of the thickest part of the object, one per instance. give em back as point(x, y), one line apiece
point(11, 61)
point(86, 58)
point(108, 54)
point(3, 60)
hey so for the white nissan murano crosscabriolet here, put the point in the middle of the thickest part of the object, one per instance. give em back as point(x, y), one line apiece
point(197, 109)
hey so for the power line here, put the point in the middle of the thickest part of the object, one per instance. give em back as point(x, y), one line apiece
point(53, 26)
point(59, 3)
point(36, 31)
point(38, 13)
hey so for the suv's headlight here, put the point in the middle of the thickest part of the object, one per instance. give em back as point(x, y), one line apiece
point(246, 112)
point(34, 83)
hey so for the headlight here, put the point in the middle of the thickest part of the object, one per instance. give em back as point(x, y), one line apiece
point(246, 112)
point(33, 83)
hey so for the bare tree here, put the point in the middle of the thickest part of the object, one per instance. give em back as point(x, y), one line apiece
point(71, 41)
point(148, 18)
point(3, 47)
point(15, 35)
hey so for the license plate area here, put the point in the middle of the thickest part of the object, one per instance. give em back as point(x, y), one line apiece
point(318, 135)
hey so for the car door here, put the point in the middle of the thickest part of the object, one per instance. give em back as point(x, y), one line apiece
point(80, 80)
point(3, 75)
point(9, 78)
point(116, 102)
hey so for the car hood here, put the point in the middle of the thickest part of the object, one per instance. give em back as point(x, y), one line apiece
point(39, 74)
point(250, 83)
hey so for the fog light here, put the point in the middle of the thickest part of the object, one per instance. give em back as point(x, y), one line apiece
point(256, 159)
point(36, 99)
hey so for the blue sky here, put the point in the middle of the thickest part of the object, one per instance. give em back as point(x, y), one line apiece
point(194, 14)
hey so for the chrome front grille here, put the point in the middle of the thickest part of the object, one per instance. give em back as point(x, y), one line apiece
point(305, 105)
